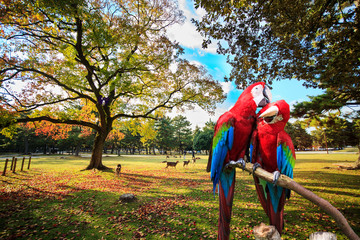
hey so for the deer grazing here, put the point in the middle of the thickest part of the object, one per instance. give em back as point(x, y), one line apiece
point(186, 163)
point(171, 164)
point(194, 159)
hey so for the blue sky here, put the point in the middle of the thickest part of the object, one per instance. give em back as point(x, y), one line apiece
point(290, 90)
point(186, 34)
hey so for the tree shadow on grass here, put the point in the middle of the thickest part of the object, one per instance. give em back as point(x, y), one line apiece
point(329, 180)
point(169, 205)
point(94, 215)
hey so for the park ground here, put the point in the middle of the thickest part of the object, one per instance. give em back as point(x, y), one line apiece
point(55, 199)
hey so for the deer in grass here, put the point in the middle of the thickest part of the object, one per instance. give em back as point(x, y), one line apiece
point(186, 163)
point(171, 164)
point(194, 159)
point(118, 170)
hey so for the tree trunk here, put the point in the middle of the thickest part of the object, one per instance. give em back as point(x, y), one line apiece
point(326, 145)
point(112, 148)
point(357, 163)
point(96, 156)
point(77, 149)
point(26, 145)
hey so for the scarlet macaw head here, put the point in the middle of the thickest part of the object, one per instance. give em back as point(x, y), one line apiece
point(275, 112)
point(257, 92)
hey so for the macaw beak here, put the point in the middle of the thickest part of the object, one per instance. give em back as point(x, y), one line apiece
point(267, 97)
point(270, 114)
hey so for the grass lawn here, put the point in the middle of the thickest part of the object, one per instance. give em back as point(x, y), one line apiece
point(56, 200)
point(349, 149)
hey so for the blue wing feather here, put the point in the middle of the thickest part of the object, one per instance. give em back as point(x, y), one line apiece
point(251, 148)
point(285, 164)
point(230, 137)
point(222, 144)
point(286, 160)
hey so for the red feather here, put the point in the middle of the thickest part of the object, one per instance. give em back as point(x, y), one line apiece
point(225, 208)
point(265, 141)
point(241, 117)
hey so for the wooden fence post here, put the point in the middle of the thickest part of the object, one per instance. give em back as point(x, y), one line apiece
point(14, 167)
point(22, 164)
point(12, 164)
point(6, 163)
point(29, 162)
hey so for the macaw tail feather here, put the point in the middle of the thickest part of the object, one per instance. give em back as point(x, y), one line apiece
point(260, 189)
point(226, 195)
point(276, 217)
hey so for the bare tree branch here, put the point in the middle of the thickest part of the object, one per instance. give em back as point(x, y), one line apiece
point(20, 69)
point(34, 106)
point(53, 120)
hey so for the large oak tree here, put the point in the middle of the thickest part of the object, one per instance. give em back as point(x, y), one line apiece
point(112, 57)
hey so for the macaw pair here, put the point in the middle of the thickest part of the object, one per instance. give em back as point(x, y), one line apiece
point(234, 131)
point(272, 149)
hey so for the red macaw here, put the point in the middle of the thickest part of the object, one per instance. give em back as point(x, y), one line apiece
point(230, 143)
point(272, 149)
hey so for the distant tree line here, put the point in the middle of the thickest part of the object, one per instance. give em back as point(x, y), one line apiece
point(166, 136)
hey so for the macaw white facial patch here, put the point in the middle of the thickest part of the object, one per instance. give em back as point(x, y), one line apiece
point(257, 93)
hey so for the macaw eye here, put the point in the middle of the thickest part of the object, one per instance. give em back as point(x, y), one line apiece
point(269, 119)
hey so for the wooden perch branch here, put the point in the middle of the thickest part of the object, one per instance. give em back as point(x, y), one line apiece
point(286, 182)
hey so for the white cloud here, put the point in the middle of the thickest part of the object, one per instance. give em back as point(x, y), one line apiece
point(276, 98)
point(198, 117)
point(227, 87)
point(291, 105)
point(186, 33)
point(200, 12)
point(187, 36)
point(196, 63)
